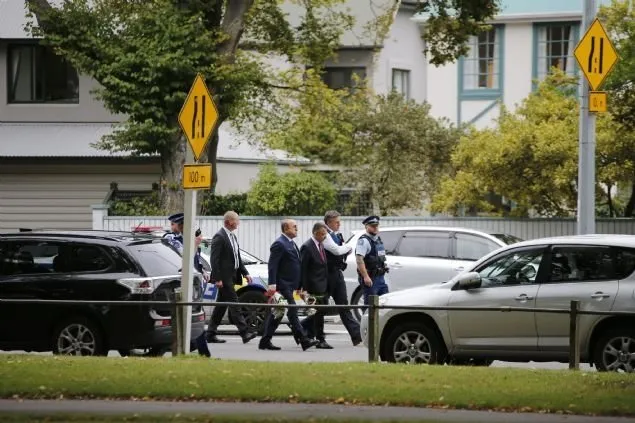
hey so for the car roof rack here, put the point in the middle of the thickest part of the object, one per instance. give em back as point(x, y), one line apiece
point(79, 233)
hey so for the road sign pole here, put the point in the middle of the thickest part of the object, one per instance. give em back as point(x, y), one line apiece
point(586, 153)
point(188, 260)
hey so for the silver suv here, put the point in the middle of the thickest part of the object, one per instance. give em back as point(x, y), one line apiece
point(597, 270)
point(421, 255)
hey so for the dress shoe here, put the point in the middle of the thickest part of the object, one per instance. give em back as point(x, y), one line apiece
point(201, 346)
point(211, 338)
point(356, 342)
point(268, 346)
point(308, 343)
point(249, 336)
point(323, 345)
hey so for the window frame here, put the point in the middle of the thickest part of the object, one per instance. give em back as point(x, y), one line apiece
point(485, 93)
point(545, 262)
point(348, 69)
point(575, 27)
point(421, 233)
point(34, 46)
point(455, 246)
point(406, 73)
point(547, 279)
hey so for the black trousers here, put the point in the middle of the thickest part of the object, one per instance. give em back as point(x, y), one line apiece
point(226, 294)
point(271, 323)
point(337, 290)
point(314, 325)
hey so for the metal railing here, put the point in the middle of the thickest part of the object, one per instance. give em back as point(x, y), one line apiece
point(373, 307)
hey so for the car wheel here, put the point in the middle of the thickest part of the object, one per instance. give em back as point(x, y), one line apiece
point(78, 336)
point(615, 351)
point(357, 299)
point(414, 343)
point(255, 317)
point(480, 362)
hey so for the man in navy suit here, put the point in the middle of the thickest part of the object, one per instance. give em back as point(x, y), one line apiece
point(284, 276)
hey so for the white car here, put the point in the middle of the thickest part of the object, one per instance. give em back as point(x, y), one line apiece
point(597, 270)
point(421, 255)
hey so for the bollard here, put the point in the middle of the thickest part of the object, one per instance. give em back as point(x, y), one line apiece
point(177, 331)
point(373, 329)
point(574, 336)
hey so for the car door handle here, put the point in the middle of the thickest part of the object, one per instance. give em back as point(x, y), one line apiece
point(523, 297)
point(600, 295)
point(459, 269)
point(396, 265)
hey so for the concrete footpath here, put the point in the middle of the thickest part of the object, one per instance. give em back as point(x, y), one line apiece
point(288, 411)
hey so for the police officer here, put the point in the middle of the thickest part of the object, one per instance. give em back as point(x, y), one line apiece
point(175, 239)
point(370, 255)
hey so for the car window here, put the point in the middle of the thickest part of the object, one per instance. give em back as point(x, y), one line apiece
point(86, 258)
point(507, 238)
point(434, 244)
point(156, 258)
point(21, 257)
point(473, 247)
point(515, 268)
point(390, 239)
point(624, 262)
point(581, 263)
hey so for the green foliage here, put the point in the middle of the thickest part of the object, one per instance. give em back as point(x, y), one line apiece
point(531, 156)
point(217, 205)
point(290, 194)
point(137, 206)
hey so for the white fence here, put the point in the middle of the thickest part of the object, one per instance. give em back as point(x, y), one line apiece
point(256, 234)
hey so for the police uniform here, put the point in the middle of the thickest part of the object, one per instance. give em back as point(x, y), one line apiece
point(176, 241)
point(371, 248)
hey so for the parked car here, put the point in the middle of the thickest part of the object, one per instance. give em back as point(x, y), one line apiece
point(86, 266)
point(597, 270)
point(421, 255)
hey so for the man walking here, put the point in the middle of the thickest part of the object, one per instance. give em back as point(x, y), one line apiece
point(227, 269)
point(284, 276)
point(336, 253)
point(315, 279)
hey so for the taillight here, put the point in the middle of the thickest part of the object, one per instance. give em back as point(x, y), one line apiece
point(140, 285)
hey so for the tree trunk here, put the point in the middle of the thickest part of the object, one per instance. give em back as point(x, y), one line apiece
point(610, 200)
point(628, 211)
point(172, 161)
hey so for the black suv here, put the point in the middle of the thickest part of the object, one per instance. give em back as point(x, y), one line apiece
point(89, 265)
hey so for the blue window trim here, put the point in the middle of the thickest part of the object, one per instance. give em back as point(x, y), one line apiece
point(486, 94)
point(534, 59)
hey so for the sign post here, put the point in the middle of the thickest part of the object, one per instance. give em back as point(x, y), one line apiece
point(596, 57)
point(198, 118)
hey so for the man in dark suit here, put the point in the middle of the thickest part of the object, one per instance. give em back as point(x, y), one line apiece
point(284, 277)
point(315, 279)
point(227, 269)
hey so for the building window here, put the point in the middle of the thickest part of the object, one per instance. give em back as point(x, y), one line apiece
point(482, 67)
point(401, 82)
point(338, 78)
point(554, 48)
point(37, 75)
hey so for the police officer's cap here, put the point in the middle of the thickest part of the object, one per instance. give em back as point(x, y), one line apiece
point(371, 220)
point(177, 218)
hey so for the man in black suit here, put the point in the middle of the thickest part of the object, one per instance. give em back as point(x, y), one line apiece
point(227, 269)
point(284, 276)
point(315, 279)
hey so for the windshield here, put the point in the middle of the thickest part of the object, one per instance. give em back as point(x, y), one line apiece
point(156, 258)
point(507, 238)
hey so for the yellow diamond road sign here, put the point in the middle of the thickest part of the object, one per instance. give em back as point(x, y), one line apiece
point(198, 116)
point(595, 54)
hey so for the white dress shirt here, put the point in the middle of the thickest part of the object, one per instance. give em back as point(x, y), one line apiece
point(332, 247)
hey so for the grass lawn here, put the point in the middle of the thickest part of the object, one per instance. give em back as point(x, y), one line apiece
point(73, 418)
point(194, 378)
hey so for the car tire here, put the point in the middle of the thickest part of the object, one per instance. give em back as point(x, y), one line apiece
point(78, 336)
point(614, 350)
point(414, 343)
point(357, 299)
point(255, 317)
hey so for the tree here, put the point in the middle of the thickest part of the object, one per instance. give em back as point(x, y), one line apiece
point(290, 194)
point(530, 157)
point(145, 54)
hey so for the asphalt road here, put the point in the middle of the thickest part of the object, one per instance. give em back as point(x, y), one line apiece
point(343, 350)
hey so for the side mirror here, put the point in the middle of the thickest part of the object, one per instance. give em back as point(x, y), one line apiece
point(469, 280)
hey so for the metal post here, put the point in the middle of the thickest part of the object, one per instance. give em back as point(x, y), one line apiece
point(188, 258)
point(177, 327)
point(574, 336)
point(586, 152)
point(373, 329)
